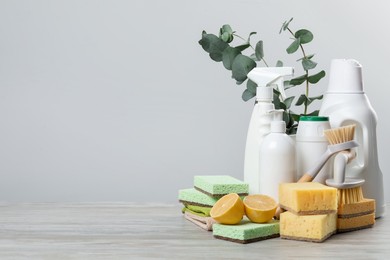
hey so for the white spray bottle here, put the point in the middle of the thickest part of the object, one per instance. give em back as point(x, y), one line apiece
point(346, 103)
point(277, 158)
point(259, 125)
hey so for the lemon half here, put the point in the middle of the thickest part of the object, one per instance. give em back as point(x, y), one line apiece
point(260, 208)
point(228, 210)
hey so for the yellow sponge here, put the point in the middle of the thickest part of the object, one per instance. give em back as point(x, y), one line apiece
point(355, 223)
point(314, 228)
point(308, 198)
point(363, 207)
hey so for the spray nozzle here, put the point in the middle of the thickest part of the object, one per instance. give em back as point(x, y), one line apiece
point(277, 123)
point(271, 76)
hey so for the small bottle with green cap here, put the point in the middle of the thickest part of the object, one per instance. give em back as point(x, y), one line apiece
point(310, 144)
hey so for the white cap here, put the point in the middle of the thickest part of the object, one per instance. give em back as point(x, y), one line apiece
point(264, 93)
point(278, 127)
point(345, 76)
point(277, 124)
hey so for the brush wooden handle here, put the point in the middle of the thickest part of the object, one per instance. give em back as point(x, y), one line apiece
point(306, 178)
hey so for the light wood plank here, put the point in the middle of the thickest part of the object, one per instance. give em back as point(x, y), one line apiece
point(130, 231)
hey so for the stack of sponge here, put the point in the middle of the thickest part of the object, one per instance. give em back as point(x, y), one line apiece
point(311, 211)
point(356, 215)
point(199, 200)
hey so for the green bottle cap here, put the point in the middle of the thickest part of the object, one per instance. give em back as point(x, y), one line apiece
point(314, 118)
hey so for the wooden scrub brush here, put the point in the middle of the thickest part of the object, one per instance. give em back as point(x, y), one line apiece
point(349, 190)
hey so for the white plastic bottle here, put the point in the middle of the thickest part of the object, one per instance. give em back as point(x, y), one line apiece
point(346, 103)
point(310, 144)
point(277, 158)
point(259, 125)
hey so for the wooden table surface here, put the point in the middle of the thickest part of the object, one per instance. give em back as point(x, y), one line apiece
point(155, 231)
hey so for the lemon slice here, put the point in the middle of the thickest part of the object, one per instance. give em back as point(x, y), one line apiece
point(228, 210)
point(260, 208)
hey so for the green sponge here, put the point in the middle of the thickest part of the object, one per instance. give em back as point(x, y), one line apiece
point(246, 231)
point(197, 210)
point(197, 198)
point(220, 185)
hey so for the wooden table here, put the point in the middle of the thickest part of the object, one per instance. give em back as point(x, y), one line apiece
point(131, 231)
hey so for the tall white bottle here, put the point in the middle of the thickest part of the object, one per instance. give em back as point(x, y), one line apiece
point(346, 103)
point(259, 125)
point(277, 158)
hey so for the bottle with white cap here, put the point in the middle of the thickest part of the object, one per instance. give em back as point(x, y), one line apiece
point(259, 125)
point(310, 144)
point(346, 103)
point(277, 158)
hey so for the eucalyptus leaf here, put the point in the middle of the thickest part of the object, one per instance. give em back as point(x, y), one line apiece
point(301, 100)
point(298, 80)
point(239, 82)
point(227, 28)
point(304, 35)
point(288, 101)
point(314, 113)
point(282, 106)
point(316, 77)
point(226, 33)
point(259, 52)
point(241, 66)
point(308, 64)
point(249, 37)
point(276, 101)
point(251, 86)
point(285, 25)
point(246, 95)
point(216, 56)
point(279, 63)
point(311, 99)
point(286, 118)
point(243, 47)
point(213, 45)
point(307, 57)
point(228, 56)
point(288, 85)
point(296, 117)
point(317, 97)
point(253, 57)
point(293, 46)
point(225, 37)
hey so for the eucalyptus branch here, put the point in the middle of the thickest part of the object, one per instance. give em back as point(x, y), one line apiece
point(306, 72)
point(250, 45)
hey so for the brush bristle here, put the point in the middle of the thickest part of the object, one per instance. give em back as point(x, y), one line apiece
point(348, 196)
point(340, 135)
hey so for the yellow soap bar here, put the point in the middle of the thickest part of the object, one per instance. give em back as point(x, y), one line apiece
point(355, 223)
point(308, 198)
point(314, 228)
point(363, 207)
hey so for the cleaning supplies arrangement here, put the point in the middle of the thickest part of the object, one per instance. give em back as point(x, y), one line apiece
point(310, 144)
point(344, 131)
point(277, 158)
point(346, 103)
point(259, 125)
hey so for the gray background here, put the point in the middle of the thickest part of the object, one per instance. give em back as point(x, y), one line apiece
point(116, 100)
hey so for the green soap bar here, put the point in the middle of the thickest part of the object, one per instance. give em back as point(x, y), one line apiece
point(219, 185)
point(246, 231)
point(194, 197)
